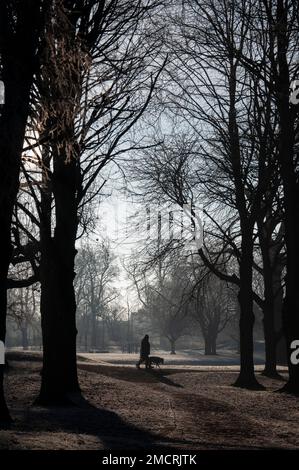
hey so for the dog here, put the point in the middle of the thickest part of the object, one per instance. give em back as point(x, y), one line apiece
point(156, 360)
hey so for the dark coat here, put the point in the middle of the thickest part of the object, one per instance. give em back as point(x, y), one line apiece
point(145, 348)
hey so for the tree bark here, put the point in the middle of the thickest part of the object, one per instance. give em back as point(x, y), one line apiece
point(281, 354)
point(210, 345)
point(269, 315)
point(18, 44)
point(24, 331)
point(246, 378)
point(172, 346)
point(270, 341)
point(272, 267)
point(94, 328)
point(207, 347)
point(58, 304)
point(287, 114)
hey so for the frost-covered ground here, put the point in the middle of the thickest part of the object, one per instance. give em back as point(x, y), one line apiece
point(183, 359)
point(130, 408)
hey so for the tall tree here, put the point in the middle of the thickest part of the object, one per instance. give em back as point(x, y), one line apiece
point(230, 112)
point(277, 50)
point(96, 271)
point(21, 24)
point(91, 91)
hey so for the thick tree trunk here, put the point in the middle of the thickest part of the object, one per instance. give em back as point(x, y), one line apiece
point(213, 347)
point(287, 157)
point(281, 354)
point(58, 310)
point(272, 273)
point(12, 129)
point(210, 345)
point(273, 318)
point(172, 346)
point(270, 255)
point(18, 43)
point(58, 305)
point(269, 314)
point(207, 347)
point(4, 263)
point(246, 377)
point(270, 342)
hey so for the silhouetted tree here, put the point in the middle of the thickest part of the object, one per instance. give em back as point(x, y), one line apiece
point(96, 271)
point(21, 25)
point(82, 126)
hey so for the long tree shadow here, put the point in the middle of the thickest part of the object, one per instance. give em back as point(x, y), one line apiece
point(160, 376)
point(131, 374)
point(113, 432)
point(106, 425)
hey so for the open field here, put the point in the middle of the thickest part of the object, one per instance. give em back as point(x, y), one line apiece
point(224, 360)
point(130, 408)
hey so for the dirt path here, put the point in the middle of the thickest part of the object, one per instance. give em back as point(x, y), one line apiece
point(130, 408)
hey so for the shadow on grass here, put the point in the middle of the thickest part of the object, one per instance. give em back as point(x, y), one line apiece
point(115, 433)
point(161, 376)
point(86, 419)
point(132, 374)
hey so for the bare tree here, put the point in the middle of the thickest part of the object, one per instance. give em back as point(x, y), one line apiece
point(212, 309)
point(231, 117)
point(21, 30)
point(23, 309)
point(277, 48)
point(96, 271)
point(76, 131)
point(164, 292)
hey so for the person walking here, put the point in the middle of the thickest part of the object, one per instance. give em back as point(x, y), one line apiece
point(145, 350)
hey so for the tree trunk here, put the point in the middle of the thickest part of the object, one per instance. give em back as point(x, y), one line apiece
point(210, 345)
point(94, 329)
point(213, 346)
point(287, 162)
point(269, 313)
point(272, 272)
point(58, 309)
point(207, 346)
point(211, 338)
point(24, 331)
point(6, 209)
point(18, 43)
point(246, 377)
point(270, 341)
point(58, 304)
point(274, 342)
point(4, 263)
point(86, 330)
point(281, 353)
point(172, 346)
